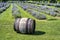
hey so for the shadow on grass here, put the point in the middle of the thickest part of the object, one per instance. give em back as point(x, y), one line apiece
point(52, 19)
point(36, 33)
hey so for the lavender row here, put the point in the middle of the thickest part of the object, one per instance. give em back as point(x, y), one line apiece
point(15, 11)
point(4, 6)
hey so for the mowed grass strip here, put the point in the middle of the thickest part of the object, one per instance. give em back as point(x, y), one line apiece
point(7, 15)
point(6, 23)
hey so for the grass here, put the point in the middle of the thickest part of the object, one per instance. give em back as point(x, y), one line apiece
point(45, 30)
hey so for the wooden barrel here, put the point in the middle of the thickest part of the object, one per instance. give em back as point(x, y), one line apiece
point(24, 25)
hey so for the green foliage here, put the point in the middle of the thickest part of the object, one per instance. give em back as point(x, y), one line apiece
point(53, 1)
point(32, 0)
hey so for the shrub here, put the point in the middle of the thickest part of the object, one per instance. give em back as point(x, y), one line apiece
point(52, 13)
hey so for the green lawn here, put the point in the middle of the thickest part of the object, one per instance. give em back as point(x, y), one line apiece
point(45, 30)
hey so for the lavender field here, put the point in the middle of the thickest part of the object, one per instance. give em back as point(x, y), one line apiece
point(46, 15)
